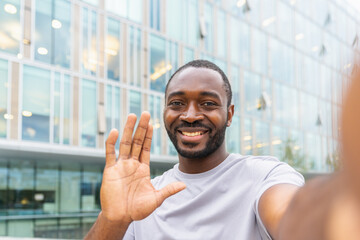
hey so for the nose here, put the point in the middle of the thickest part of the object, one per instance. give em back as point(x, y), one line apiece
point(191, 114)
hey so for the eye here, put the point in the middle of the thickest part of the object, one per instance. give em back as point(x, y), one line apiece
point(209, 104)
point(175, 103)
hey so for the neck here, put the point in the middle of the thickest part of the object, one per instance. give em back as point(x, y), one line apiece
point(200, 165)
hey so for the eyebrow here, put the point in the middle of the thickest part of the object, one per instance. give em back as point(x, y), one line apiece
point(206, 94)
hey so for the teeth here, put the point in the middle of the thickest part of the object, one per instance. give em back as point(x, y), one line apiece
point(192, 134)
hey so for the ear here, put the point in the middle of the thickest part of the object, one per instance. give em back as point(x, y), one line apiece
point(230, 114)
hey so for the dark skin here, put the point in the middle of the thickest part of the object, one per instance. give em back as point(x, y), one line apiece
point(196, 113)
point(198, 95)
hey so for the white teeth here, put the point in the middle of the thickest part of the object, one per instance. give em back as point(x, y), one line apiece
point(192, 134)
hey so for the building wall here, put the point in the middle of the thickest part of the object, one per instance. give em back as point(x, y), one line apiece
point(70, 71)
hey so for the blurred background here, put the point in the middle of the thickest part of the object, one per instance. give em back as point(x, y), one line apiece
point(72, 70)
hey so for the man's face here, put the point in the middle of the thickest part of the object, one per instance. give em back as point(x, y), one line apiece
point(196, 113)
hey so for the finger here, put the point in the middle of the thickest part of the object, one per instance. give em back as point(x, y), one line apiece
point(125, 143)
point(139, 136)
point(168, 191)
point(110, 147)
point(145, 153)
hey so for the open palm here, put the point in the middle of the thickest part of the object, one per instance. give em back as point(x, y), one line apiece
point(126, 192)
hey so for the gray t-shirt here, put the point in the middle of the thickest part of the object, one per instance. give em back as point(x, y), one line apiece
point(221, 203)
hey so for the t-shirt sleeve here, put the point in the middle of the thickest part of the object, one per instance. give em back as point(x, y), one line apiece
point(273, 172)
point(130, 235)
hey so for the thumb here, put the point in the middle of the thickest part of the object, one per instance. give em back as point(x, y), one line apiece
point(168, 191)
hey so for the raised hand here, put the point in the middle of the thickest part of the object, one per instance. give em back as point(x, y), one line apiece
point(126, 192)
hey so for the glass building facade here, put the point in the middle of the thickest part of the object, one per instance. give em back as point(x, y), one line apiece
point(70, 71)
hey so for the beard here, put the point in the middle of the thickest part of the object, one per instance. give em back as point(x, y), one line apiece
point(211, 145)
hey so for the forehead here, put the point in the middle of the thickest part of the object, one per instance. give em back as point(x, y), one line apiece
point(197, 80)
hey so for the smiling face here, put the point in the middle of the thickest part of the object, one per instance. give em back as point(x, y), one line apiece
point(196, 113)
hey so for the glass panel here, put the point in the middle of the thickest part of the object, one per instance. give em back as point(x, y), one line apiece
point(70, 228)
point(285, 22)
point(4, 115)
point(278, 142)
point(259, 52)
point(268, 18)
point(47, 188)
point(192, 30)
point(240, 43)
point(67, 109)
point(56, 107)
point(4, 171)
point(134, 61)
point(88, 113)
point(158, 64)
point(233, 136)
point(221, 34)
point(90, 188)
point(209, 23)
point(112, 49)
point(286, 105)
point(135, 10)
point(309, 108)
point(188, 55)
point(109, 109)
point(313, 151)
point(10, 27)
point(172, 57)
point(235, 87)
point(70, 177)
point(119, 7)
point(262, 143)
point(46, 228)
point(155, 14)
point(36, 104)
point(21, 228)
point(135, 102)
point(21, 188)
point(252, 92)
point(53, 41)
point(248, 137)
point(89, 42)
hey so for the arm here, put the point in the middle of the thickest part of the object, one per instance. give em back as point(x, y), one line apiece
point(126, 191)
point(273, 204)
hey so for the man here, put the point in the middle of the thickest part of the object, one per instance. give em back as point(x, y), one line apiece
point(210, 194)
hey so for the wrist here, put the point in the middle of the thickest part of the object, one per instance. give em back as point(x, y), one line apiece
point(118, 221)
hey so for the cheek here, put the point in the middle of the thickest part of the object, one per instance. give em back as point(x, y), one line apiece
point(169, 117)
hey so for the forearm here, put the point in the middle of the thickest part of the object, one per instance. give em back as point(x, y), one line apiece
point(107, 229)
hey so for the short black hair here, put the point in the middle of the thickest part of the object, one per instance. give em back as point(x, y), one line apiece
point(200, 63)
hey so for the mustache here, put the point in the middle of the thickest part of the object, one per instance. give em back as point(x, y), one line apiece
point(194, 124)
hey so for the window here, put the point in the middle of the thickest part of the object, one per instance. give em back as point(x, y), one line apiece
point(281, 61)
point(36, 104)
point(278, 141)
point(90, 58)
point(233, 136)
point(134, 65)
point(113, 109)
point(70, 178)
point(4, 114)
point(286, 105)
point(248, 136)
point(188, 55)
point(90, 188)
point(252, 93)
point(235, 86)
point(112, 49)
point(309, 108)
point(130, 9)
point(52, 32)
point(259, 52)
point(4, 171)
point(88, 105)
point(155, 14)
point(268, 18)
point(135, 102)
point(155, 107)
point(209, 23)
point(10, 27)
point(62, 108)
point(240, 43)
point(262, 134)
point(285, 22)
point(158, 64)
point(313, 152)
point(182, 21)
point(221, 34)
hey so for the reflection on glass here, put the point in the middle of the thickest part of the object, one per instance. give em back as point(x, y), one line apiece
point(134, 60)
point(10, 27)
point(158, 64)
point(262, 143)
point(36, 104)
point(90, 188)
point(88, 113)
point(21, 184)
point(112, 49)
point(131, 9)
point(248, 136)
point(89, 43)
point(4, 115)
point(233, 136)
point(252, 93)
point(52, 32)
